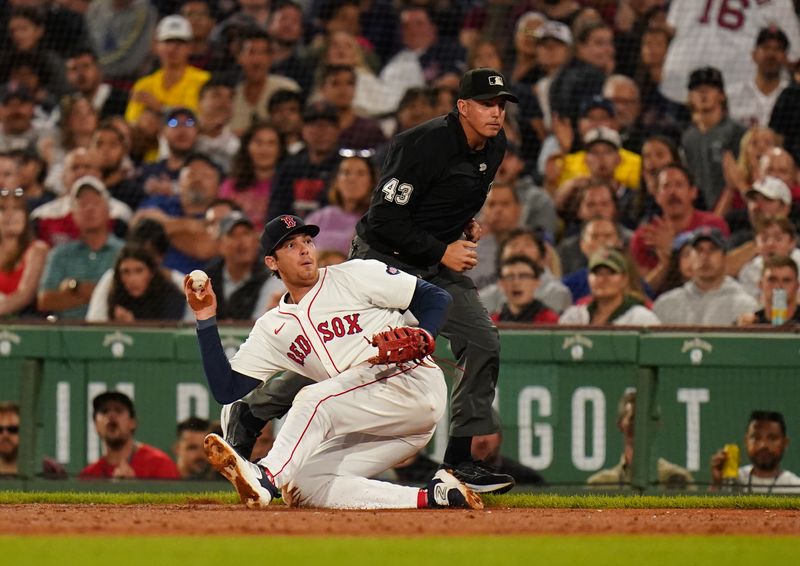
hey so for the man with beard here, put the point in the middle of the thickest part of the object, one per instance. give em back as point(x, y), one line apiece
point(16, 119)
point(189, 453)
point(124, 457)
point(109, 149)
point(179, 133)
point(85, 76)
point(766, 441)
point(9, 438)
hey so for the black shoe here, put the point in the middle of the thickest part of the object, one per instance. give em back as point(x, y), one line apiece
point(240, 438)
point(481, 478)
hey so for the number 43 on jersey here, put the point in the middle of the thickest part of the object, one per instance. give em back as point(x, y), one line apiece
point(395, 191)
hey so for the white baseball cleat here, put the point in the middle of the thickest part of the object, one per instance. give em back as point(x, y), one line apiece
point(251, 483)
point(444, 490)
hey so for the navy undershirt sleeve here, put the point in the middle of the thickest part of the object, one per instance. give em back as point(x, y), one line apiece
point(226, 384)
point(429, 306)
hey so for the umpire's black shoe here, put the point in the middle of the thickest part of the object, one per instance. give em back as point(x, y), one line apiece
point(481, 478)
point(237, 434)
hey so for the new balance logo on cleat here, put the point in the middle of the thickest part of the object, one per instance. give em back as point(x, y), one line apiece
point(444, 490)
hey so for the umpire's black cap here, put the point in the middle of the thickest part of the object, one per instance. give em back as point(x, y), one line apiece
point(280, 228)
point(99, 402)
point(483, 84)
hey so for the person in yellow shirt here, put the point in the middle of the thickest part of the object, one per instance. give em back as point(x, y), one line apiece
point(176, 83)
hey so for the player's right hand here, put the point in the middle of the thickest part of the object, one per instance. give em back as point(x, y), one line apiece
point(203, 302)
point(460, 256)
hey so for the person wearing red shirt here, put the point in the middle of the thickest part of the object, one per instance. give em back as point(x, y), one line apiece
point(115, 422)
point(519, 279)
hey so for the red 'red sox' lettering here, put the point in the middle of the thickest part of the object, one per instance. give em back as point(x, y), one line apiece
point(299, 349)
point(338, 327)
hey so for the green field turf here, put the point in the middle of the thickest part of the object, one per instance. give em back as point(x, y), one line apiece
point(441, 551)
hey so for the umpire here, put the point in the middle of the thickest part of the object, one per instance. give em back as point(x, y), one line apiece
point(421, 219)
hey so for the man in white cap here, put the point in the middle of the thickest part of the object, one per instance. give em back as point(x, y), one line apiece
point(176, 83)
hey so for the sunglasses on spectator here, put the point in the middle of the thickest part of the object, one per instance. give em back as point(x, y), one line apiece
point(18, 192)
point(174, 123)
point(348, 152)
point(9, 429)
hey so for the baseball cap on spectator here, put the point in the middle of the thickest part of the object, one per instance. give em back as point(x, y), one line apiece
point(681, 240)
point(610, 258)
point(554, 30)
point(772, 32)
point(602, 134)
point(772, 188)
point(482, 84)
point(175, 28)
point(99, 403)
point(19, 92)
point(231, 221)
point(708, 234)
point(280, 228)
point(88, 182)
point(320, 110)
point(177, 112)
point(710, 76)
point(596, 101)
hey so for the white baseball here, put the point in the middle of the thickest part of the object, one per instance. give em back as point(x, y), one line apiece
point(199, 279)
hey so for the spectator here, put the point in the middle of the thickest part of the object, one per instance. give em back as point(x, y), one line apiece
point(253, 91)
point(286, 29)
point(179, 135)
point(215, 137)
point(752, 100)
point(709, 297)
point(190, 456)
point(775, 235)
point(9, 438)
point(74, 128)
point(657, 152)
point(73, 268)
point(671, 476)
point(9, 170)
point(54, 222)
point(109, 149)
point(140, 291)
point(701, 29)
point(711, 134)
point(150, 236)
point(121, 33)
point(519, 279)
point(778, 162)
point(253, 170)
point(16, 119)
point(527, 68)
point(181, 215)
point(348, 198)
point(779, 272)
point(338, 89)
point(286, 114)
point(677, 270)
point(124, 457)
point(198, 14)
point(611, 300)
point(783, 119)
point(176, 83)
point(241, 282)
point(553, 44)
point(501, 213)
point(766, 443)
point(651, 245)
point(624, 95)
point(22, 257)
point(251, 14)
point(551, 291)
point(768, 197)
point(85, 76)
point(301, 179)
point(740, 174)
point(538, 209)
point(596, 233)
point(584, 75)
point(31, 171)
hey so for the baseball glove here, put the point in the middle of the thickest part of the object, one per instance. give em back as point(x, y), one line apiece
point(402, 344)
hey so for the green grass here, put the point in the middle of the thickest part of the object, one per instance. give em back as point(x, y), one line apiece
point(544, 501)
point(546, 550)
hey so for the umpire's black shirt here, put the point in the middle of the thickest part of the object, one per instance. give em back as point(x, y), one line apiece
point(431, 185)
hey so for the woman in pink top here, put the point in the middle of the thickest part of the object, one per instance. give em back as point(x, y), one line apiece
point(22, 258)
point(253, 167)
point(349, 196)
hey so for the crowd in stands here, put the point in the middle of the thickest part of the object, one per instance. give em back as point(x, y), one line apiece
point(130, 130)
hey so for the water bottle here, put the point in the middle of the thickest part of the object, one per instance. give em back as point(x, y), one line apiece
point(779, 307)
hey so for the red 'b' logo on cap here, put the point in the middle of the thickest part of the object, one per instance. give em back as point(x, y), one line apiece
point(289, 221)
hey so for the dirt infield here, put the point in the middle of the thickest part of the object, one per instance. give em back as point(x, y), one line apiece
point(196, 519)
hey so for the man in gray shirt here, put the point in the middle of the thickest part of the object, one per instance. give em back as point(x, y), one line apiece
point(709, 297)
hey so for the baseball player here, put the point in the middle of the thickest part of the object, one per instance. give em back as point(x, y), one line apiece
point(362, 415)
point(435, 180)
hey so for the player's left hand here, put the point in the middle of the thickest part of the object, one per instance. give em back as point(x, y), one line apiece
point(203, 302)
point(473, 231)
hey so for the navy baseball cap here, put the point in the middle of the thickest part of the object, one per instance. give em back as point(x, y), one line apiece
point(483, 84)
point(710, 76)
point(99, 402)
point(280, 228)
point(708, 234)
point(772, 32)
point(596, 101)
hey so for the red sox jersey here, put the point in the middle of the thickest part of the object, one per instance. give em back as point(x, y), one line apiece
point(721, 34)
point(327, 332)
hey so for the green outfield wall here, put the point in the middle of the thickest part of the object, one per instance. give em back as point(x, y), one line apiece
point(557, 395)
